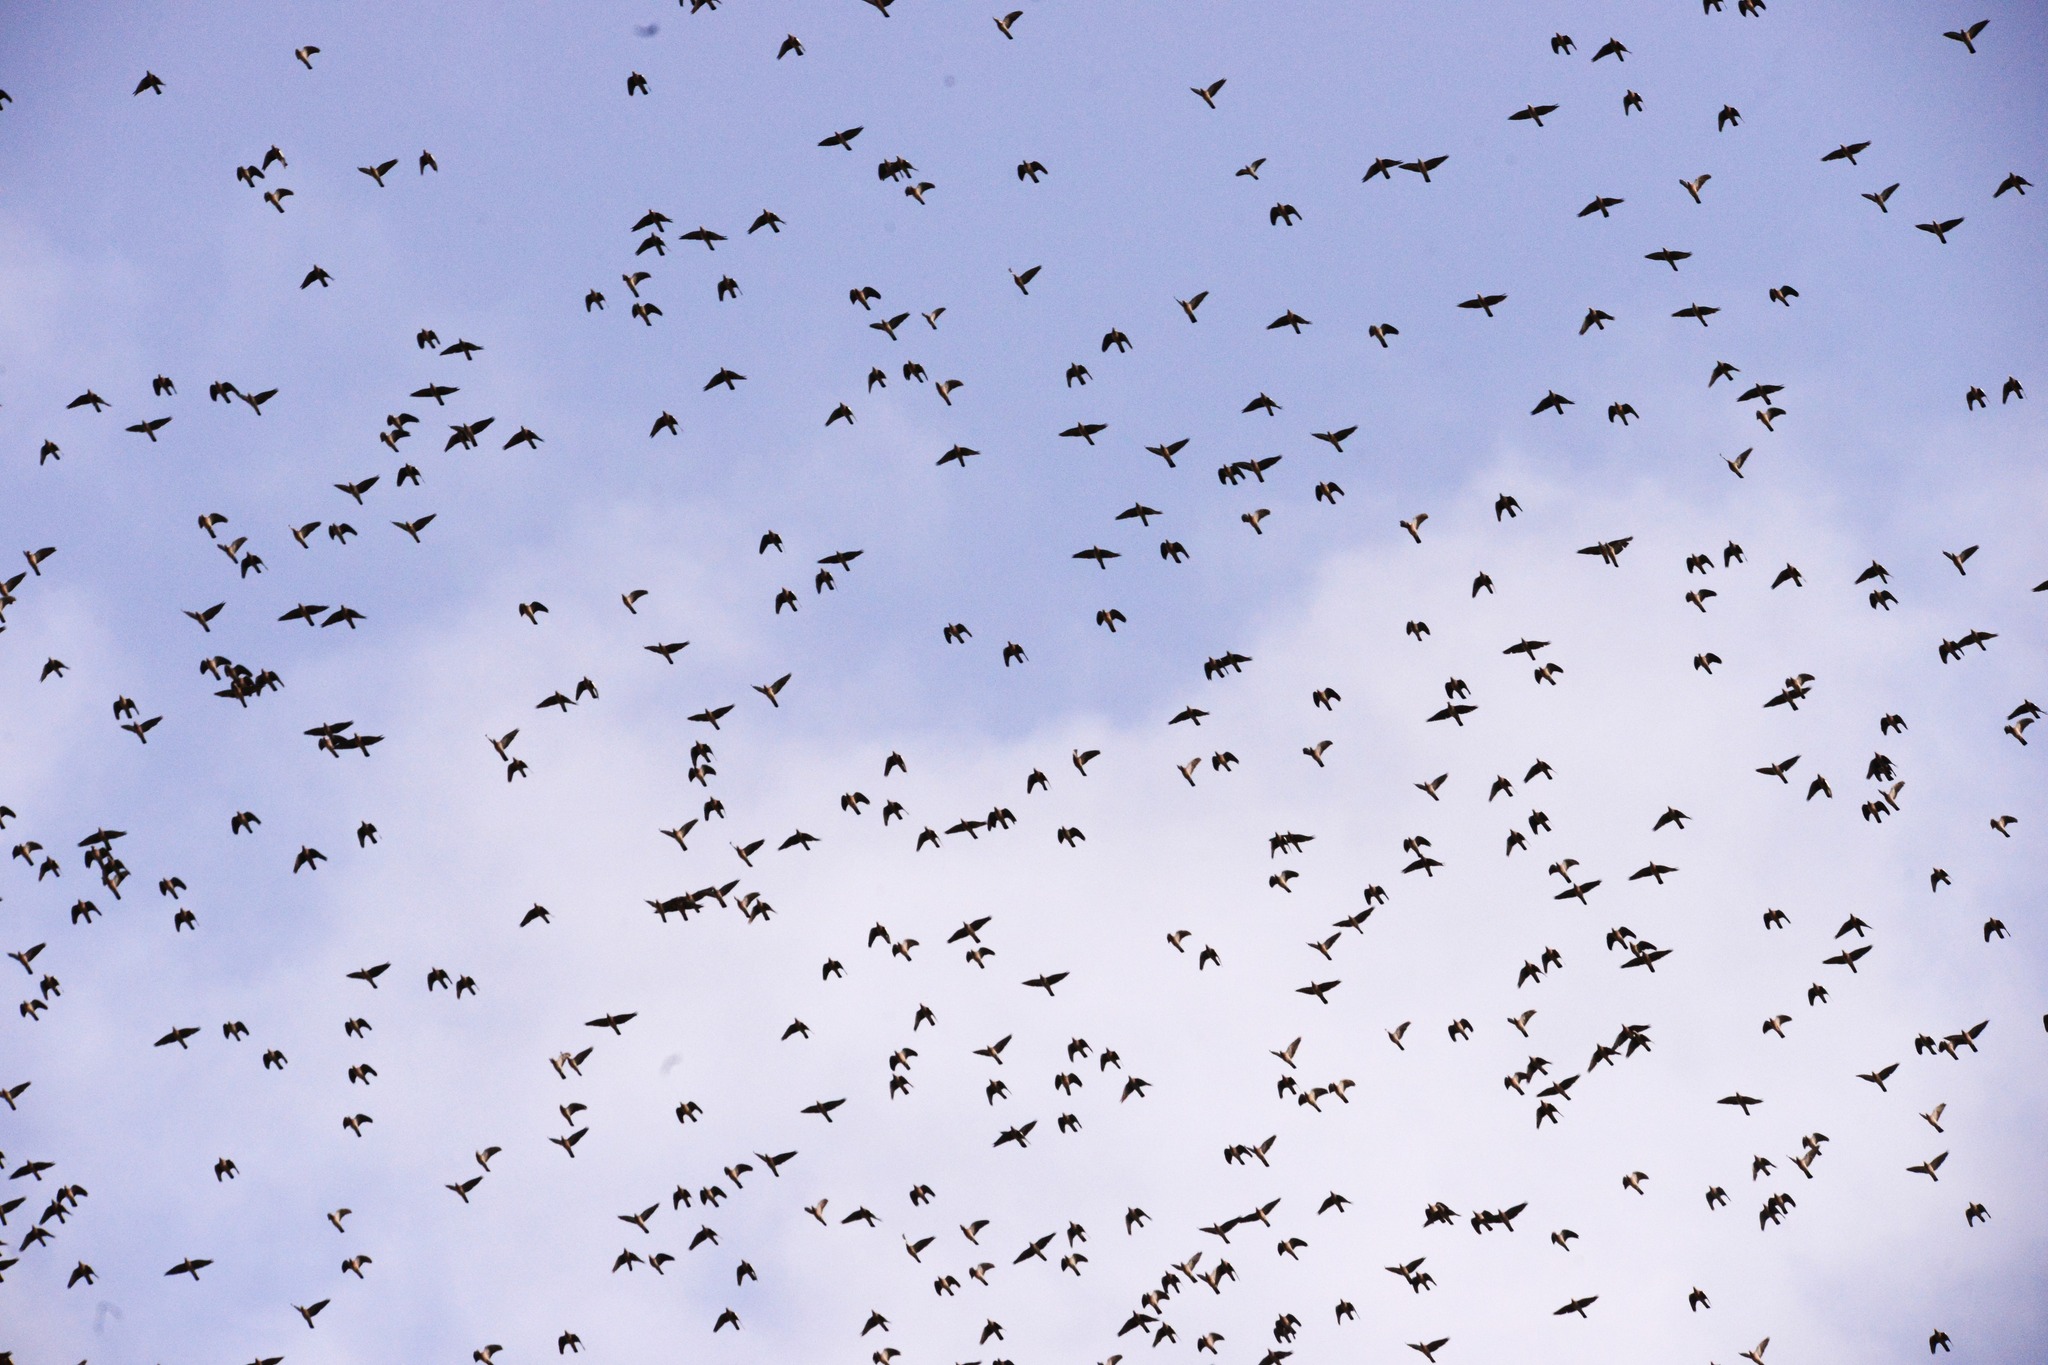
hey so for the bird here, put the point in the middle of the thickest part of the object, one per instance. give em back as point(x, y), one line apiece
point(1967, 36)
point(1930, 1168)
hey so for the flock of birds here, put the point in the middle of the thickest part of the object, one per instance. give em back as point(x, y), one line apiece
point(54, 1207)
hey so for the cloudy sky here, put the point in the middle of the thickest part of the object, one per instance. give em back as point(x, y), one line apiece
point(129, 250)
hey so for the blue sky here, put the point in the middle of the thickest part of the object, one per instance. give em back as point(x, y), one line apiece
point(130, 251)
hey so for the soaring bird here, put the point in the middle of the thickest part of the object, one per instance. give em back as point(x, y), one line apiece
point(1967, 36)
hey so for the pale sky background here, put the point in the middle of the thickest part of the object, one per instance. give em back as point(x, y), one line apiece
point(128, 250)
